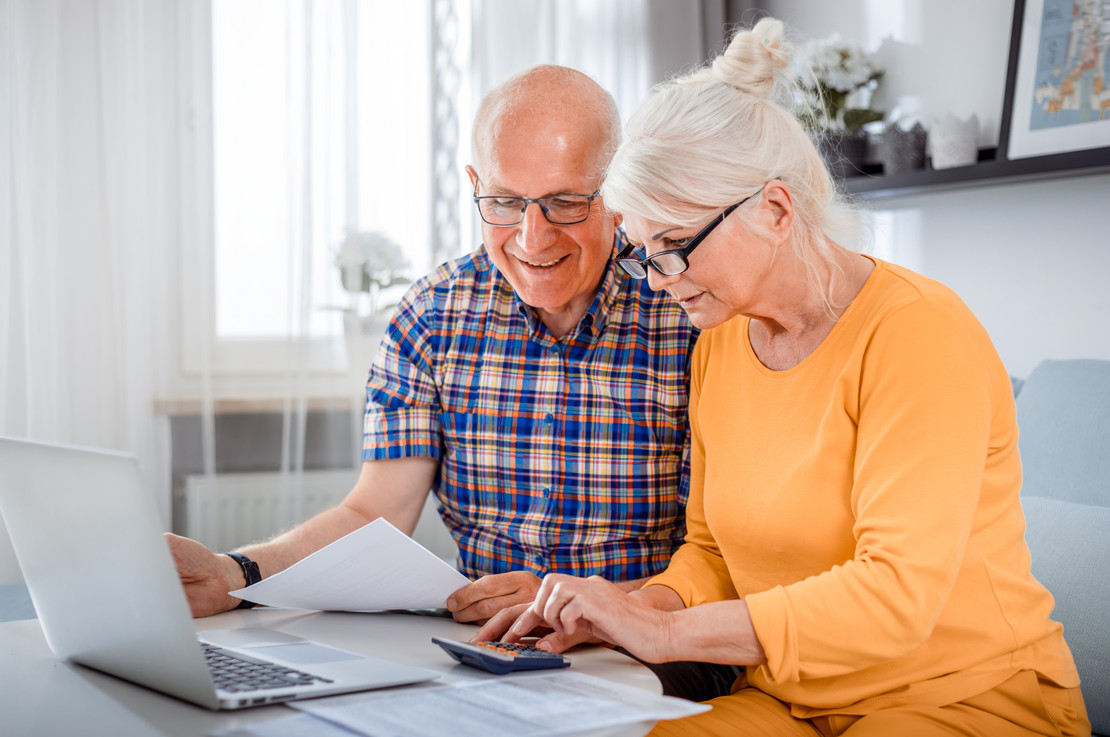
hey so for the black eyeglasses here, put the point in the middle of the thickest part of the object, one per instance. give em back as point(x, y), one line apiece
point(674, 261)
point(559, 209)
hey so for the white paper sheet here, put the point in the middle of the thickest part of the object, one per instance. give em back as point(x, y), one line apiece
point(295, 725)
point(374, 567)
point(544, 704)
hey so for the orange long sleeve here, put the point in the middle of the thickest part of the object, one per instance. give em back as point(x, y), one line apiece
point(865, 504)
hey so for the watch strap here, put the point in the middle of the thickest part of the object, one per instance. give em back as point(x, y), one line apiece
point(250, 573)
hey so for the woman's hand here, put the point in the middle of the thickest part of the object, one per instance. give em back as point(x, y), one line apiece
point(580, 609)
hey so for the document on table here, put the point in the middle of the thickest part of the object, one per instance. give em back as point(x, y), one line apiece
point(541, 704)
point(375, 567)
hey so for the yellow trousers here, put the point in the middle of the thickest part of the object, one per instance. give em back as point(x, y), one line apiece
point(1022, 706)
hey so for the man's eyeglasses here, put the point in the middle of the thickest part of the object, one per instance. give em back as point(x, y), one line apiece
point(674, 261)
point(559, 209)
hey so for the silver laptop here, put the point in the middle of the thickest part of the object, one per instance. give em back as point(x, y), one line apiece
point(108, 596)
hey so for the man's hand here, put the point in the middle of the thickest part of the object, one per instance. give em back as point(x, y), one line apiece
point(487, 596)
point(206, 577)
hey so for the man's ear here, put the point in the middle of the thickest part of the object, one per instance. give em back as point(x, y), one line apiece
point(779, 204)
point(470, 172)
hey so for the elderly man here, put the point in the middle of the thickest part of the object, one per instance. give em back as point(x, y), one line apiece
point(536, 390)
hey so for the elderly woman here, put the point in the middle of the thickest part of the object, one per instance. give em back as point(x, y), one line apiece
point(855, 536)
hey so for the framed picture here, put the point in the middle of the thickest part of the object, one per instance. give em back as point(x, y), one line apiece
point(1057, 98)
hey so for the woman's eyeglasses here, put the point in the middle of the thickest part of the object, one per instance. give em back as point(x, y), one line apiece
point(676, 260)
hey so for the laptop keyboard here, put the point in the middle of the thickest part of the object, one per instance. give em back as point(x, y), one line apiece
point(234, 672)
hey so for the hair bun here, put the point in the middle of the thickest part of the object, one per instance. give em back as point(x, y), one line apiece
point(753, 59)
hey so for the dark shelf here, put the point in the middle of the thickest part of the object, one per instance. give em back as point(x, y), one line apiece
point(874, 185)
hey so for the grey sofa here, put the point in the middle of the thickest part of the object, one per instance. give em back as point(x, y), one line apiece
point(1063, 412)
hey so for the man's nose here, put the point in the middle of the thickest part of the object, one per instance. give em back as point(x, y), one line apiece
point(535, 230)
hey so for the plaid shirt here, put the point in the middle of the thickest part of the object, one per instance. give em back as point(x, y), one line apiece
point(563, 456)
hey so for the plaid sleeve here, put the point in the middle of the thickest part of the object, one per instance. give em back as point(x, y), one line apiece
point(402, 418)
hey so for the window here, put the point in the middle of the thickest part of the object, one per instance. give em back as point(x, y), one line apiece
point(319, 119)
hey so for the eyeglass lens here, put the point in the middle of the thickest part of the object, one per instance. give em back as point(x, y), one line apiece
point(668, 263)
point(563, 209)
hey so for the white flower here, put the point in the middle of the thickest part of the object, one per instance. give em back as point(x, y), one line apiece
point(370, 257)
point(829, 71)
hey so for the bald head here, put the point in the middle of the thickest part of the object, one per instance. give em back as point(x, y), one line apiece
point(551, 100)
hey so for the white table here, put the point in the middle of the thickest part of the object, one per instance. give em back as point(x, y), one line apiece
point(41, 696)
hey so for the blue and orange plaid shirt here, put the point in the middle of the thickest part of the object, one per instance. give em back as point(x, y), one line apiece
point(564, 456)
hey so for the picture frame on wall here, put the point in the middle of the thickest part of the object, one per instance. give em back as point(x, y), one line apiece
point(1057, 96)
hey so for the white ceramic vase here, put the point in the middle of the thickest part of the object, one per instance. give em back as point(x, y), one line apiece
point(955, 142)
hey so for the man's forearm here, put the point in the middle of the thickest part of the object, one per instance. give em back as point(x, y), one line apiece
point(394, 489)
point(277, 554)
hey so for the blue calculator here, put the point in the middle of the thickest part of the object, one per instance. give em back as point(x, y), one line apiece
point(501, 657)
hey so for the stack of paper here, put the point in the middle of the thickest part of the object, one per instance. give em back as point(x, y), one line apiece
point(524, 705)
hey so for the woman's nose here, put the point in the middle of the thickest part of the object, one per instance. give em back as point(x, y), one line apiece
point(658, 281)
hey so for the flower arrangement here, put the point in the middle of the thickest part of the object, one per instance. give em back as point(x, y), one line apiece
point(835, 78)
point(369, 262)
point(369, 259)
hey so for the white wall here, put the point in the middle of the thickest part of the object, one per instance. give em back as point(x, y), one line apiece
point(948, 56)
point(1031, 259)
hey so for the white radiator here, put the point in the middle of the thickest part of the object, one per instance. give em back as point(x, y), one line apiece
point(229, 510)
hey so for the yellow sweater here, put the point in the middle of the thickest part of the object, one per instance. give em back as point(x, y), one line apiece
point(865, 504)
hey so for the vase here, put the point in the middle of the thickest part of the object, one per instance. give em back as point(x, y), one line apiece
point(955, 142)
point(902, 150)
point(844, 152)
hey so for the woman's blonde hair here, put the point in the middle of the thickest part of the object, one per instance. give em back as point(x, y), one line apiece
point(707, 140)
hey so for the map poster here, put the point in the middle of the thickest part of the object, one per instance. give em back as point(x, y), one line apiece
point(1061, 85)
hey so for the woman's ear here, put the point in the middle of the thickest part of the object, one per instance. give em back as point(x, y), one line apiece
point(779, 205)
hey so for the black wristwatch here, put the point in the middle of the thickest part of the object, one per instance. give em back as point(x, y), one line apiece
point(250, 573)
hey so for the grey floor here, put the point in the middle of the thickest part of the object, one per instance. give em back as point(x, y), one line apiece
point(15, 603)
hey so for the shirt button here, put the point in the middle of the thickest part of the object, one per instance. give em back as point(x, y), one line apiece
point(546, 493)
point(550, 419)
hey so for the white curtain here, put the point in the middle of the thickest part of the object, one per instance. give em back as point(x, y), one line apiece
point(89, 226)
point(107, 213)
point(626, 45)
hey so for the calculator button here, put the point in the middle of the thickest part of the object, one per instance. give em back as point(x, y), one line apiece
point(501, 657)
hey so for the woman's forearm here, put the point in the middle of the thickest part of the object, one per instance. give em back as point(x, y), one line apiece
point(720, 632)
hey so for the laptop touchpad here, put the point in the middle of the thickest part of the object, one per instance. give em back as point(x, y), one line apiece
point(304, 653)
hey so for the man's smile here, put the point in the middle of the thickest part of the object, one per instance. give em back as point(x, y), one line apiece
point(541, 264)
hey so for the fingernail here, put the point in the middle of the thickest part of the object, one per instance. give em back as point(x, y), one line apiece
point(541, 645)
point(451, 604)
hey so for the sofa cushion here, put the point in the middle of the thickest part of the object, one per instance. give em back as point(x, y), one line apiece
point(1071, 557)
point(1063, 415)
